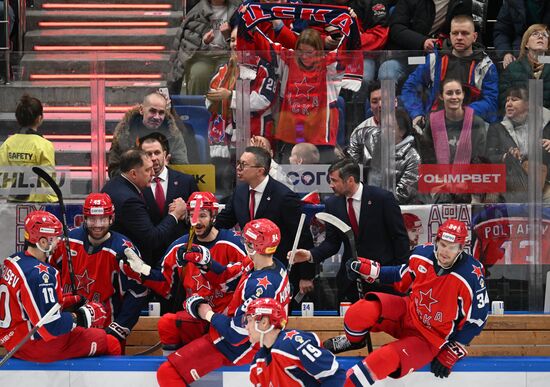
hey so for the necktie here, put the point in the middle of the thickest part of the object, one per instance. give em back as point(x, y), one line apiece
point(252, 203)
point(159, 195)
point(353, 218)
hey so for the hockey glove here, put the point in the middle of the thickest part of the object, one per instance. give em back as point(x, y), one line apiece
point(443, 363)
point(118, 331)
point(71, 302)
point(198, 255)
point(368, 269)
point(136, 263)
point(91, 315)
point(192, 304)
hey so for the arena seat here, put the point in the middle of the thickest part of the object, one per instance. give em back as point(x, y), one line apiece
point(196, 116)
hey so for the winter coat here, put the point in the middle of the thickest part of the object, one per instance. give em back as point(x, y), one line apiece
point(364, 147)
point(518, 73)
point(501, 136)
point(412, 20)
point(428, 77)
point(188, 39)
point(131, 129)
point(511, 24)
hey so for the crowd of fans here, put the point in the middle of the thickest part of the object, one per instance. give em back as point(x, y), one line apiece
point(301, 73)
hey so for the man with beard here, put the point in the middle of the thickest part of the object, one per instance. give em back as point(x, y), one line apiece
point(96, 253)
point(152, 115)
point(224, 246)
point(166, 185)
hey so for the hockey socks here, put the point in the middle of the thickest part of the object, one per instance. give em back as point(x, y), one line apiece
point(361, 317)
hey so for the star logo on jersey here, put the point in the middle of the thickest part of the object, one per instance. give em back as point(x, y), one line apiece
point(84, 281)
point(426, 300)
point(477, 271)
point(303, 88)
point(201, 282)
point(290, 334)
point(127, 243)
point(42, 268)
point(263, 282)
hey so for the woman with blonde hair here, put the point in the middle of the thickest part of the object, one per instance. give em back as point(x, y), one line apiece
point(533, 45)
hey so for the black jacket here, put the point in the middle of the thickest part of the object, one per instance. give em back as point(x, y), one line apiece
point(511, 24)
point(412, 20)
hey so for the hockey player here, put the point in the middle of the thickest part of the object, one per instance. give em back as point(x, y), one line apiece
point(446, 308)
point(224, 246)
point(287, 357)
point(227, 341)
point(96, 255)
point(30, 287)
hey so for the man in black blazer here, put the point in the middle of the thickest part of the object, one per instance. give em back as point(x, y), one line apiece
point(271, 200)
point(166, 185)
point(380, 232)
point(131, 216)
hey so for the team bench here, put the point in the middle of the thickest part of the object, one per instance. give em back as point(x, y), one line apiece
point(506, 335)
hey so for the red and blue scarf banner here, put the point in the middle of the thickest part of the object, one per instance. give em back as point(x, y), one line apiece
point(333, 15)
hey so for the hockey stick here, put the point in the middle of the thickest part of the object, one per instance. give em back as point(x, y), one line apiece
point(42, 321)
point(180, 290)
point(299, 296)
point(348, 232)
point(48, 179)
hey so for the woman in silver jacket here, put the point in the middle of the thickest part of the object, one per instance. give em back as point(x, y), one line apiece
point(364, 148)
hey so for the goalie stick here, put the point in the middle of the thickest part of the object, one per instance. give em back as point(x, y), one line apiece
point(348, 232)
point(44, 320)
point(48, 179)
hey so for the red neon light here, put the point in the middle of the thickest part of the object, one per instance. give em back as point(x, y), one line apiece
point(80, 137)
point(104, 24)
point(105, 6)
point(99, 48)
point(85, 109)
point(94, 76)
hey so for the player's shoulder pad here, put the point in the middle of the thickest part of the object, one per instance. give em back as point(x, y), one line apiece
point(119, 243)
point(425, 250)
point(231, 236)
point(471, 270)
point(180, 241)
point(293, 339)
point(78, 233)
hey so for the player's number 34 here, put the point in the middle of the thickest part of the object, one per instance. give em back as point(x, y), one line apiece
point(482, 300)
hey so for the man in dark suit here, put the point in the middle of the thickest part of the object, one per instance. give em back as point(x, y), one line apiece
point(131, 216)
point(166, 185)
point(260, 196)
point(376, 220)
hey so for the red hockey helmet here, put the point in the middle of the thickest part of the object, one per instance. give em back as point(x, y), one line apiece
point(98, 204)
point(268, 307)
point(453, 231)
point(263, 235)
point(206, 201)
point(412, 221)
point(42, 224)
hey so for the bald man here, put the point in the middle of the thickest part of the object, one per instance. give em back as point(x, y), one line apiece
point(152, 115)
point(304, 153)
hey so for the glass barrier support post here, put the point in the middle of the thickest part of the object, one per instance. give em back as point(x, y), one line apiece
point(388, 126)
point(97, 129)
point(534, 194)
point(6, 43)
point(242, 90)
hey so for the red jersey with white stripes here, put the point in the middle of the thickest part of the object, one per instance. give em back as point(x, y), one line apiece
point(29, 288)
point(226, 249)
point(446, 304)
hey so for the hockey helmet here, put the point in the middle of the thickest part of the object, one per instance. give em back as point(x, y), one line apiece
point(412, 221)
point(262, 235)
point(41, 224)
point(98, 204)
point(267, 307)
point(205, 201)
point(453, 231)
